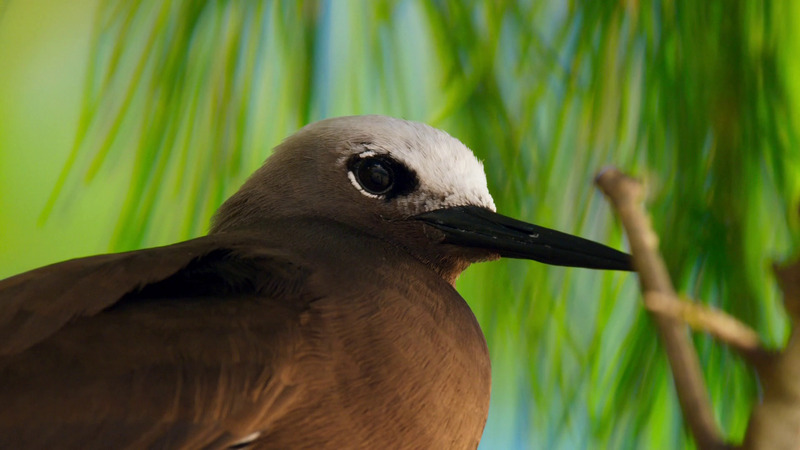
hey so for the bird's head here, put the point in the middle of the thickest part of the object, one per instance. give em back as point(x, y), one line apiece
point(404, 182)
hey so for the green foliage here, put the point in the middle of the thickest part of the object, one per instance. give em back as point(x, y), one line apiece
point(698, 98)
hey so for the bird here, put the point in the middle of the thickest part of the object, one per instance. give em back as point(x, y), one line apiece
point(320, 310)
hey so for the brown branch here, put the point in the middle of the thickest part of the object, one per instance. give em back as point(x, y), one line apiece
point(719, 324)
point(626, 194)
point(775, 422)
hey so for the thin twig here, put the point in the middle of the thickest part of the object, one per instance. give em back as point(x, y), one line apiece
point(626, 194)
point(719, 324)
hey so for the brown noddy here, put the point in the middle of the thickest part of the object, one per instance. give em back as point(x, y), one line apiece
point(319, 312)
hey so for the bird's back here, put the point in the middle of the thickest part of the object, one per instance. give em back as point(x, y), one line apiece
point(282, 334)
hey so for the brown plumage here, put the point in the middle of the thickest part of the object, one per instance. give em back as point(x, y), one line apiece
point(319, 313)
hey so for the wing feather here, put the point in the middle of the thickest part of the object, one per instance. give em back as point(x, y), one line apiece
point(36, 304)
point(179, 346)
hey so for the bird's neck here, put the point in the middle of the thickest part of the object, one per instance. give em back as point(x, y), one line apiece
point(319, 234)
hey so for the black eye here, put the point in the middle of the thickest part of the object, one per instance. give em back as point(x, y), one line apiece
point(374, 175)
point(381, 175)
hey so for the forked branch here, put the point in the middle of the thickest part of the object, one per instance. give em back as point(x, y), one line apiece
point(775, 420)
point(722, 326)
point(626, 194)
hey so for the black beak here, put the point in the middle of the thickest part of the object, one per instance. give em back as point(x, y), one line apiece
point(473, 226)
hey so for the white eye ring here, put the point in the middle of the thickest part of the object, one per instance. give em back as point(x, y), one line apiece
point(352, 176)
point(355, 183)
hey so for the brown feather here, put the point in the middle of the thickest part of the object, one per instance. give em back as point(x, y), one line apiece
point(280, 331)
point(313, 316)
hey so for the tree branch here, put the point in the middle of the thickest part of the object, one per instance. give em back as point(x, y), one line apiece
point(775, 422)
point(719, 324)
point(626, 194)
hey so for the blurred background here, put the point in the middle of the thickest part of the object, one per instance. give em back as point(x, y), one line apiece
point(124, 124)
